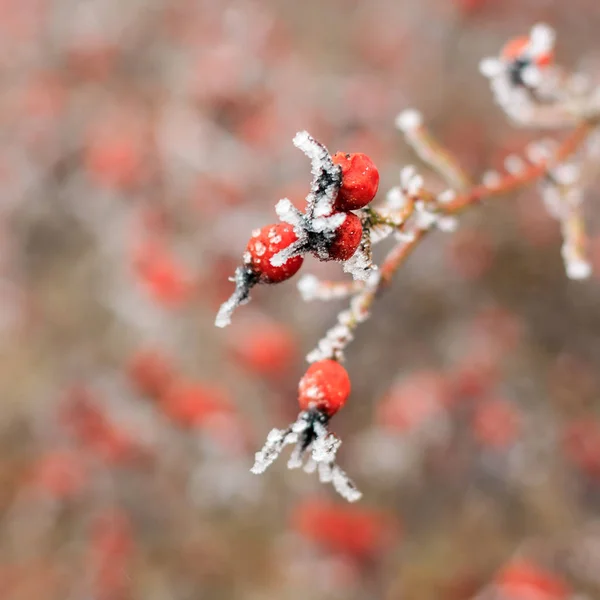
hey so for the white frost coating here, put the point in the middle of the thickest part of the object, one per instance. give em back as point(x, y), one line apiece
point(425, 219)
point(322, 224)
point(491, 67)
point(321, 164)
point(532, 76)
point(406, 175)
point(288, 213)
point(566, 174)
point(295, 249)
point(308, 286)
point(277, 440)
point(541, 39)
point(405, 236)
point(395, 198)
point(415, 186)
point(225, 312)
point(409, 120)
point(578, 269)
point(491, 179)
point(344, 486)
point(239, 297)
point(446, 196)
point(539, 151)
point(447, 223)
point(359, 265)
point(514, 164)
point(380, 233)
point(315, 448)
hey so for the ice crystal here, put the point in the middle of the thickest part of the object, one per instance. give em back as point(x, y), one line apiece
point(327, 177)
point(315, 448)
point(244, 280)
point(409, 120)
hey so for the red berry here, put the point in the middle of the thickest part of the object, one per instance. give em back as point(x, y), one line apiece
point(360, 180)
point(347, 238)
point(325, 387)
point(514, 49)
point(150, 372)
point(266, 243)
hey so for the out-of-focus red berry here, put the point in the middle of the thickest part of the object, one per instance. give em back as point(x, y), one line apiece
point(60, 473)
point(360, 180)
point(265, 347)
point(164, 277)
point(358, 532)
point(150, 372)
point(496, 423)
point(524, 580)
point(581, 443)
point(111, 549)
point(115, 160)
point(347, 238)
point(325, 387)
point(95, 431)
point(191, 404)
point(266, 243)
point(474, 377)
point(413, 401)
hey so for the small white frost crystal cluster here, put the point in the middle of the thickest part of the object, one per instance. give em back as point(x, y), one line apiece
point(533, 92)
point(336, 339)
point(243, 279)
point(425, 214)
point(311, 438)
point(526, 84)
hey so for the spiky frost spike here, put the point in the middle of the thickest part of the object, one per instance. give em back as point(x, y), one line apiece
point(277, 440)
point(315, 448)
point(244, 279)
point(327, 177)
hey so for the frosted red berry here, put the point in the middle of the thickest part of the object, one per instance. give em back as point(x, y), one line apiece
point(325, 387)
point(266, 243)
point(514, 50)
point(360, 180)
point(347, 238)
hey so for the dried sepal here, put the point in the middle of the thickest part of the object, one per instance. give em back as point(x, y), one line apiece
point(315, 448)
point(327, 177)
point(245, 279)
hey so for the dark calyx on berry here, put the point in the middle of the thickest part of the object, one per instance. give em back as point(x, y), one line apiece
point(515, 71)
point(266, 243)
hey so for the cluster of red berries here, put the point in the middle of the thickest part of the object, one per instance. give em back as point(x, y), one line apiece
point(359, 184)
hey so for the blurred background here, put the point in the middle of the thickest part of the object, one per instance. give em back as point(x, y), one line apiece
point(141, 142)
